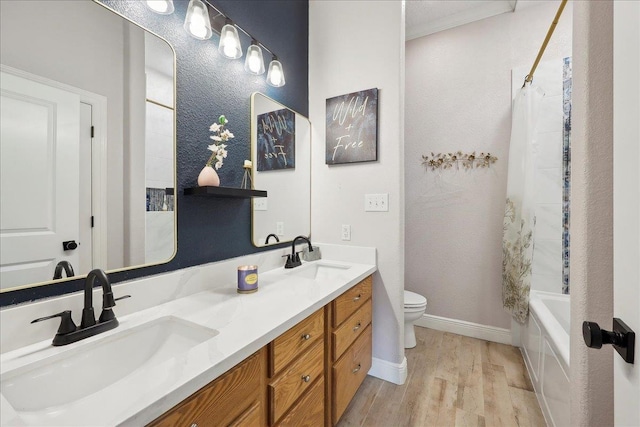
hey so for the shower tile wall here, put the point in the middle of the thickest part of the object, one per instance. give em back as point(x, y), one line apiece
point(548, 175)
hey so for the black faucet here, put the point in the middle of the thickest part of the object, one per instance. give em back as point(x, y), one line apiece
point(68, 332)
point(68, 269)
point(293, 260)
point(266, 241)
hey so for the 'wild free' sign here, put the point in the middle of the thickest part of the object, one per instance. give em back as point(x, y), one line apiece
point(352, 127)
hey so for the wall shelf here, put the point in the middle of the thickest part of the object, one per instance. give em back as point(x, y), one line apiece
point(235, 193)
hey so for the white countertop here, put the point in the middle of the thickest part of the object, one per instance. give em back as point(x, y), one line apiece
point(244, 322)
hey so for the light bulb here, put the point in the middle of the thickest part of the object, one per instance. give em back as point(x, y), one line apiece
point(230, 42)
point(163, 7)
point(197, 21)
point(197, 27)
point(229, 46)
point(254, 64)
point(275, 76)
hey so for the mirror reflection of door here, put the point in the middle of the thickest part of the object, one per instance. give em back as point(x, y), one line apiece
point(40, 154)
point(123, 78)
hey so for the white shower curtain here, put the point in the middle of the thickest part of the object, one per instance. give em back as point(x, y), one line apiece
point(519, 220)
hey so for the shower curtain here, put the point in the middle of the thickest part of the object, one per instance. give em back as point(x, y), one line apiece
point(519, 220)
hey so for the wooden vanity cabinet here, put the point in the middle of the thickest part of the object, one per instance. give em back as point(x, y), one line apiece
point(234, 399)
point(305, 377)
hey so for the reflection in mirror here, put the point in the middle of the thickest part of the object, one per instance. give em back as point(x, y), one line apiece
point(87, 144)
point(281, 159)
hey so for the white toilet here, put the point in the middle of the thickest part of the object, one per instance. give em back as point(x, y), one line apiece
point(414, 307)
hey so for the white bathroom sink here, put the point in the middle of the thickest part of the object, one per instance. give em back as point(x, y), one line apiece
point(72, 375)
point(319, 270)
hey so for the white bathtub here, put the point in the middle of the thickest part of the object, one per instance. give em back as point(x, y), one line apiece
point(545, 345)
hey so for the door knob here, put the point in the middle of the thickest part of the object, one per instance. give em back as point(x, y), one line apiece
point(622, 338)
point(69, 245)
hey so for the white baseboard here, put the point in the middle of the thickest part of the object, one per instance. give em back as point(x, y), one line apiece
point(468, 329)
point(393, 372)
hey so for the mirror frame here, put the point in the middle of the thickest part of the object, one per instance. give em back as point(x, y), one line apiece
point(175, 173)
point(254, 145)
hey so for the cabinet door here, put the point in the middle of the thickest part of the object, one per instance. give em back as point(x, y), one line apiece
point(349, 372)
point(223, 400)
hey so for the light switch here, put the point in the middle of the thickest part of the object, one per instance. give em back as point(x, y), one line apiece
point(376, 202)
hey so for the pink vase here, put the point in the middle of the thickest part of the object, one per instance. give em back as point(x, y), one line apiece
point(208, 177)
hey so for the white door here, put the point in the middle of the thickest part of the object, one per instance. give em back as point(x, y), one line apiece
point(39, 179)
point(626, 209)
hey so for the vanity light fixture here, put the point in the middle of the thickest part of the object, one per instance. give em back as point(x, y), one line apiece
point(229, 41)
point(275, 76)
point(197, 22)
point(199, 26)
point(254, 63)
point(163, 7)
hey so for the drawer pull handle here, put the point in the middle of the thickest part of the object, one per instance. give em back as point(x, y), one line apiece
point(194, 425)
point(306, 378)
point(357, 369)
point(306, 337)
point(358, 326)
point(357, 298)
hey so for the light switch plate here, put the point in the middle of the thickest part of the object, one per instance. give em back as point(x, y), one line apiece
point(376, 202)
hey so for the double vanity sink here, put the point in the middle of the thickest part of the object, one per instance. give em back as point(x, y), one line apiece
point(160, 355)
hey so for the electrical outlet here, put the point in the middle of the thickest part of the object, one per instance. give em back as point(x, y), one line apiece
point(376, 202)
point(346, 232)
point(260, 204)
point(280, 228)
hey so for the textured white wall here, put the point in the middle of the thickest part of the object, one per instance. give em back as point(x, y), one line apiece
point(356, 45)
point(592, 211)
point(458, 97)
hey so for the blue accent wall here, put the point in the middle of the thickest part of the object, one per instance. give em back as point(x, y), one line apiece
point(208, 85)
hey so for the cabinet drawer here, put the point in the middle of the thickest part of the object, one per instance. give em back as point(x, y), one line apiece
point(221, 401)
point(346, 304)
point(287, 387)
point(309, 411)
point(295, 341)
point(351, 329)
point(252, 417)
point(349, 372)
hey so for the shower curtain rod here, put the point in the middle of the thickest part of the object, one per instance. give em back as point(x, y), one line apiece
point(529, 77)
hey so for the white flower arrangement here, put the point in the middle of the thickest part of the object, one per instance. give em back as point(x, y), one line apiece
point(219, 148)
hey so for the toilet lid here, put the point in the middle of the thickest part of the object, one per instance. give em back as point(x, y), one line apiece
point(411, 299)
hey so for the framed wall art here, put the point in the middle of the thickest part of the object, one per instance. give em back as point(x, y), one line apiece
point(276, 139)
point(352, 128)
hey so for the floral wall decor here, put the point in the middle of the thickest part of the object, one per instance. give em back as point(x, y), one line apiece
point(450, 160)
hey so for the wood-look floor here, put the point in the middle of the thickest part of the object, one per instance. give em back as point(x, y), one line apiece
point(452, 381)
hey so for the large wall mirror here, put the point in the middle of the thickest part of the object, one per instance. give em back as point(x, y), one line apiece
point(281, 165)
point(87, 145)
